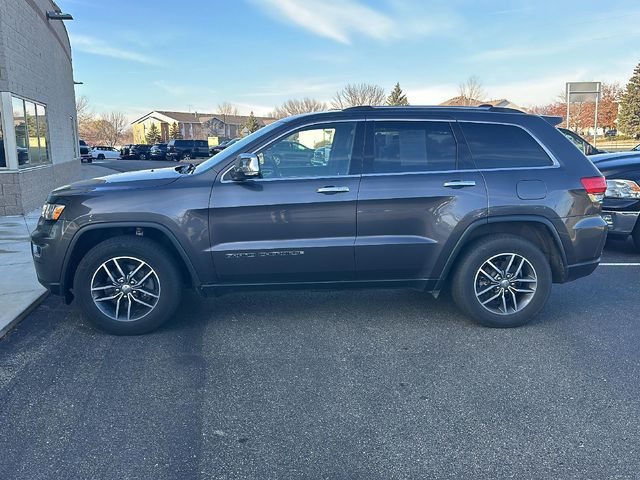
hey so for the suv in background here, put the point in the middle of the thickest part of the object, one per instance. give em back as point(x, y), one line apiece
point(187, 149)
point(102, 152)
point(158, 151)
point(137, 151)
point(491, 202)
point(85, 154)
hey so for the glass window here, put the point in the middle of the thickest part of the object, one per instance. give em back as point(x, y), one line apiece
point(503, 146)
point(20, 127)
point(318, 151)
point(32, 131)
point(3, 158)
point(413, 147)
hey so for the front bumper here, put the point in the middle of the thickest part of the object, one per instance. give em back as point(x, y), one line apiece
point(620, 223)
point(48, 253)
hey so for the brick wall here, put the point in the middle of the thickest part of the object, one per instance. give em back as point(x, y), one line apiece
point(35, 63)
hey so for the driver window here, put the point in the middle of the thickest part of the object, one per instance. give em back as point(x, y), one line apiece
point(316, 151)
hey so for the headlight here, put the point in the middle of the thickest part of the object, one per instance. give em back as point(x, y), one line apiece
point(622, 189)
point(52, 211)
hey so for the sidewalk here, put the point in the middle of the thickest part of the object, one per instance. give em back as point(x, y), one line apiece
point(20, 291)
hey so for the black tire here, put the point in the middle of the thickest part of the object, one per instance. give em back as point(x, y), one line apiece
point(186, 156)
point(142, 156)
point(89, 160)
point(467, 275)
point(100, 156)
point(636, 236)
point(169, 284)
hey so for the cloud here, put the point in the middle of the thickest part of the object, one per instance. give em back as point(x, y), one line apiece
point(170, 89)
point(340, 20)
point(95, 46)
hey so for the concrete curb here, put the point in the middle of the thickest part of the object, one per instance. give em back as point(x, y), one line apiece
point(4, 331)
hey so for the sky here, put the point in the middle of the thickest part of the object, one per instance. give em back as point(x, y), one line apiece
point(135, 56)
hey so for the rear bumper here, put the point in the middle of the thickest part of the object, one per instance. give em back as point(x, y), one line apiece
point(620, 223)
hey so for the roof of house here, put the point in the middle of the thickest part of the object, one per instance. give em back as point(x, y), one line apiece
point(461, 101)
point(199, 117)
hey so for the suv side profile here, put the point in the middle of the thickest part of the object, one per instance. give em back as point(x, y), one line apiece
point(491, 203)
point(187, 149)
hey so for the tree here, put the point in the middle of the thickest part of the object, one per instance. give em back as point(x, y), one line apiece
point(296, 107)
point(153, 135)
point(252, 124)
point(226, 108)
point(174, 132)
point(472, 91)
point(84, 117)
point(353, 95)
point(397, 96)
point(629, 118)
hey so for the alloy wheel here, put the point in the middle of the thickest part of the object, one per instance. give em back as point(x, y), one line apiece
point(505, 283)
point(125, 288)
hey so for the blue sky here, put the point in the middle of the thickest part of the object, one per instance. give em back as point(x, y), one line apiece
point(138, 55)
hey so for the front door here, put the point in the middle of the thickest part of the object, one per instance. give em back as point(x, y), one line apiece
point(298, 222)
point(418, 193)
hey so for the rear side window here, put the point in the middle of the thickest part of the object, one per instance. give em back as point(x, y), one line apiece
point(503, 146)
point(413, 147)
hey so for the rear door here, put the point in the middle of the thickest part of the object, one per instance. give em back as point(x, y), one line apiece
point(298, 222)
point(419, 192)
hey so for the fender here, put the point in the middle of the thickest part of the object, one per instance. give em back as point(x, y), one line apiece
point(100, 226)
point(500, 219)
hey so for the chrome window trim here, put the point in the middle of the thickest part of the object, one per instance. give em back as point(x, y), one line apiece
point(284, 135)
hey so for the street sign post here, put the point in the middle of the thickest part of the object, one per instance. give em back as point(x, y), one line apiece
point(578, 92)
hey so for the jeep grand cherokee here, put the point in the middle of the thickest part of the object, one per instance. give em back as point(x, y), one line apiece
point(490, 202)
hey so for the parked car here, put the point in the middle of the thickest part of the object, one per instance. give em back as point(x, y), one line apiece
point(138, 151)
point(218, 148)
point(636, 148)
point(187, 149)
point(467, 197)
point(101, 152)
point(611, 133)
point(621, 206)
point(158, 151)
point(584, 146)
point(85, 153)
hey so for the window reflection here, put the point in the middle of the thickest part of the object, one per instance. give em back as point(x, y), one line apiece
point(20, 127)
point(3, 158)
point(30, 123)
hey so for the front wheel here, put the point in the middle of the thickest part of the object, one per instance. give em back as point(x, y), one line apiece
point(128, 285)
point(502, 281)
point(143, 156)
point(186, 156)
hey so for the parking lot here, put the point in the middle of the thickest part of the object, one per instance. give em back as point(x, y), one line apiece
point(331, 384)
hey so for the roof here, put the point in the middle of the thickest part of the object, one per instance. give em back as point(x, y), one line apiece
point(199, 117)
point(461, 101)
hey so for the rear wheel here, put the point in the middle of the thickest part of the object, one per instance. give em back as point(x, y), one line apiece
point(100, 156)
point(186, 156)
point(502, 281)
point(143, 156)
point(128, 285)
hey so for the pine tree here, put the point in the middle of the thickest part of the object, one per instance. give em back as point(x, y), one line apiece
point(629, 116)
point(251, 124)
point(397, 96)
point(174, 132)
point(153, 135)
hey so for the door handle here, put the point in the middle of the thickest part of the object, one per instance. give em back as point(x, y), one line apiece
point(459, 183)
point(332, 189)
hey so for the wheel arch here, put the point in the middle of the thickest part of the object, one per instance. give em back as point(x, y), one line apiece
point(539, 230)
point(89, 236)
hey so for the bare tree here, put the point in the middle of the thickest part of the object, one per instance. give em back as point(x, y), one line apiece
point(354, 94)
point(84, 116)
point(472, 91)
point(296, 107)
point(226, 108)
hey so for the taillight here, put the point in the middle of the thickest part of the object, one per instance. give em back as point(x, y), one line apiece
point(595, 187)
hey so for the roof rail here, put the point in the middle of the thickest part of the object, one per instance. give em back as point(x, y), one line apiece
point(484, 107)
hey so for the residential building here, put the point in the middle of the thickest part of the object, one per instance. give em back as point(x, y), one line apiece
point(39, 147)
point(196, 125)
point(461, 101)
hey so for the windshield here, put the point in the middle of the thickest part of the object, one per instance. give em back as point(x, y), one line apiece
point(237, 147)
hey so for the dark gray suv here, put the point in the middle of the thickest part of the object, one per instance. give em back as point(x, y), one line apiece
point(493, 203)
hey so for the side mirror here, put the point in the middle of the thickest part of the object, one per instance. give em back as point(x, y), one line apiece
point(247, 166)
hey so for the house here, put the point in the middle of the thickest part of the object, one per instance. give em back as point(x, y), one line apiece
point(461, 101)
point(193, 125)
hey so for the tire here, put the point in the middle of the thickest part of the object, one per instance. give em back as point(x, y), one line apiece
point(186, 156)
point(100, 156)
point(636, 236)
point(517, 301)
point(142, 156)
point(162, 281)
point(89, 160)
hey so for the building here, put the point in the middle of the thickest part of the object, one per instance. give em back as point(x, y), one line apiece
point(198, 126)
point(472, 102)
point(38, 131)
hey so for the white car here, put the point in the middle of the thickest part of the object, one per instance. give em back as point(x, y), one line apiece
point(100, 153)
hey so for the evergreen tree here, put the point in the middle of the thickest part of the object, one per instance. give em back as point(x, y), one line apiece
point(174, 132)
point(251, 124)
point(629, 116)
point(397, 96)
point(153, 135)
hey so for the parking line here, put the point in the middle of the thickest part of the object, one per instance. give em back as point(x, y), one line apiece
point(620, 264)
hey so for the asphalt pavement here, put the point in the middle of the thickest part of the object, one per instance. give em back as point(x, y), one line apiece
point(331, 384)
